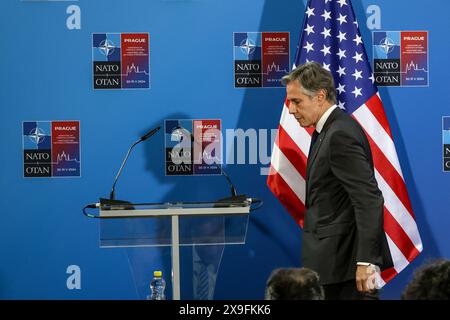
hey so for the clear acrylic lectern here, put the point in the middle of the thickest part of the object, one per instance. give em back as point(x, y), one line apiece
point(125, 224)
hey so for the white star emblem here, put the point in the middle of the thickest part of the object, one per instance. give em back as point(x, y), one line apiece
point(340, 88)
point(341, 54)
point(357, 92)
point(309, 29)
point(358, 57)
point(371, 78)
point(357, 74)
point(341, 36)
point(106, 47)
point(37, 135)
point(342, 2)
point(387, 45)
point(325, 50)
point(341, 19)
point(358, 40)
point(310, 12)
point(309, 47)
point(326, 33)
point(326, 15)
point(341, 71)
point(326, 66)
point(341, 104)
point(247, 46)
point(326, 1)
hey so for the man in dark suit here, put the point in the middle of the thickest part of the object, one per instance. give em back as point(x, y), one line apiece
point(343, 236)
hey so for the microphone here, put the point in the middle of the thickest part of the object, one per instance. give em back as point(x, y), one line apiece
point(232, 187)
point(150, 133)
point(143, 138)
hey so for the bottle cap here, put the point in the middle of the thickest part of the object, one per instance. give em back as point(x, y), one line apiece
point(157, 274)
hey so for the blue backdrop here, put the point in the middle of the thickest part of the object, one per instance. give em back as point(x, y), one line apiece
point(46, 74)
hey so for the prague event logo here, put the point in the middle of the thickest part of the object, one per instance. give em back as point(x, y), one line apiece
point(261, 59)
point(400, 58)
point(193, 147)
point(121, 60)
point(51, 148)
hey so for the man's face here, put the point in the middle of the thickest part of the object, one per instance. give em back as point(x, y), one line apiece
point(304, 108)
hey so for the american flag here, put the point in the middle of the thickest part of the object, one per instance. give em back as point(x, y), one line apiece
point(330, 36)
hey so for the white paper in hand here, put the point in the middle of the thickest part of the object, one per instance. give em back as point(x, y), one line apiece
point(374, 281)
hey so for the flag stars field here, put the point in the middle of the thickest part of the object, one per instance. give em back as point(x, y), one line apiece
point(309, 29)
point(326, 32)
point(341, 36)
point(326, 15)
point(341, 54)
point(357, 74)
point(357, 92)
point(341, 71)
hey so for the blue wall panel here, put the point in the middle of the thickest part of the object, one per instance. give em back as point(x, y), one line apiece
point(46, 74)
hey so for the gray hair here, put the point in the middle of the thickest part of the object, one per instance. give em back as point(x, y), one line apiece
point(312, 78)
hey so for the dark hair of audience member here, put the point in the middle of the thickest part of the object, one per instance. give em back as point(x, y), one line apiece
point(430, 282)
point(293, 284)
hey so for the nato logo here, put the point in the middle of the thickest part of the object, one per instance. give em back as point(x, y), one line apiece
point(193, 147)
point(386, 52)
point(400, 58)
point(178, 147)
point(386, 44)
point(106, 55)
point(51, 148)
point(247, 59)
point(446, 142)
point(261, 59)
point(37, 143)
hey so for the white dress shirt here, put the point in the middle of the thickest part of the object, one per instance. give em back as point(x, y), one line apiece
point(324, 117)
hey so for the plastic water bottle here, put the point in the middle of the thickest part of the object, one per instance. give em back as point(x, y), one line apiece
point(157, 286)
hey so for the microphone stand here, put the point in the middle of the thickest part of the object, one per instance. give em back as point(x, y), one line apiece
point(112, 194)
point(143, 138)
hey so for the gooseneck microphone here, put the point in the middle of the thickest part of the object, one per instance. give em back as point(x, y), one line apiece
point(149, 134)
point(143, 138)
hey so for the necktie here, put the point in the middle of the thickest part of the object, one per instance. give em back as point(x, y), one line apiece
point(313, 140)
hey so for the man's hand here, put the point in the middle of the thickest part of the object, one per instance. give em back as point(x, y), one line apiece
point(365, 280)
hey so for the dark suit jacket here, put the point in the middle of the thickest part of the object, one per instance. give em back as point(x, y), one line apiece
point(344, 217)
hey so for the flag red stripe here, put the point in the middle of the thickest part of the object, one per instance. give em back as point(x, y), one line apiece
point(291, 151)
point(388, 274)
point(399, 236)
point(390, 175)
point(286, 196)
point(375, 106)
point(310, 130)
